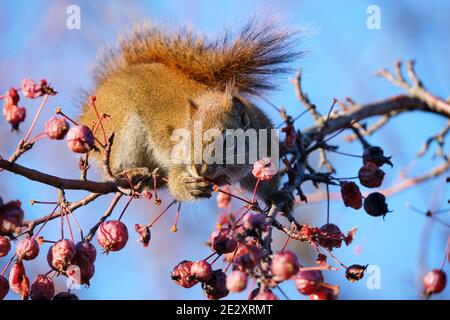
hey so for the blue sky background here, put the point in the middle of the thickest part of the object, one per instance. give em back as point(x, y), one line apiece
point(342, 58)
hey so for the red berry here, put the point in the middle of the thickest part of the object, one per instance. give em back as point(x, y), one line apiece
point(31, 89)
point(12, 97)
point(370, 175)
point(5, 246)
point(434, 282)
point(375, 204)
point(42, 288)
point(355, 272)
point(351, 195)
point(18, 280)
point(330, 236)
point(65, 296)
point(236, 281)
point(247, 257)
point(224, 241)
point(56, 128)
point(265, 295)
point(323, 294)
point(216, 288)
point(284, 266)
point(85, 253)
point(80, 139)
point(27, 249)
point(11, 217)
point(263, 169)
point(87, 271)
point(144, 233)
point(182, 276)
point(61, 255)
point(376, 155)
point(255, 222)
point(309, 281)
point(14, 115)
point(112, 235)
point(4, 287)
point(202, 271)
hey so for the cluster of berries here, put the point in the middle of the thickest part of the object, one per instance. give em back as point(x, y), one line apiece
point(75, 261)
point(80, 138)
point(371, 176)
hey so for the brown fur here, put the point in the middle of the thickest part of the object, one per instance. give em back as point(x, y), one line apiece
point(157, 82)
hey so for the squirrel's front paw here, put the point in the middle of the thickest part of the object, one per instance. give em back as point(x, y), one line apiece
point(198, 187)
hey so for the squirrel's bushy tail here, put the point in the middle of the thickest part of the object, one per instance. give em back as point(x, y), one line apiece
point(249, 58)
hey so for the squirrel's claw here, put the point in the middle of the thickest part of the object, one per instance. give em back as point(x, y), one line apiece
point(198, 187)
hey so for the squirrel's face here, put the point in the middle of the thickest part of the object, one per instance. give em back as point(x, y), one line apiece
point(212, 120)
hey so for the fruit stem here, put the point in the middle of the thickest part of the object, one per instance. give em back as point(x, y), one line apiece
point(285, 244)
point(211, 255)
point(45, 222)
point(9, 263)
point(328, 203)
point(68, 224)
point(216, 258)
point(446, 252)
point(232, 258)
point(256, 188)
point(126, 207)
point(36, 117)
point(243, 215)
point(161, 214)
point(177, 216)
point(94, 106)
point(234, 196)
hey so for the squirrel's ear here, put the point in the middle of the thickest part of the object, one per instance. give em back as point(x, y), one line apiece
point(192, 107)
